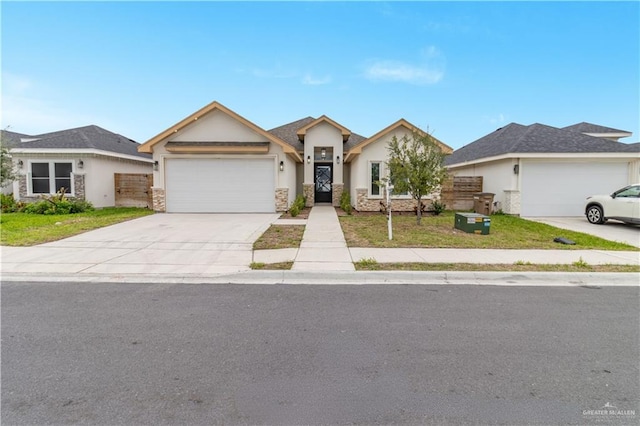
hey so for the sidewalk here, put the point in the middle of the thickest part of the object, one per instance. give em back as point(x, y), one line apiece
point(323, 258)
point(323, 248)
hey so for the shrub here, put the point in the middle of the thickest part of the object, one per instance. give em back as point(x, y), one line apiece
point(438, 207)
point(345, 202)
point(36, 208)
point(57, 204)
point(297, 206)
point(8, 203)
point(80, 206)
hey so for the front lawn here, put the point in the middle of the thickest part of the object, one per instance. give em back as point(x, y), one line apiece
point(280, 236)
point(506, 232)
point(23, 229)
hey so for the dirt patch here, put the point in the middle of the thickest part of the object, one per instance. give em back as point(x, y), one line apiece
point(280, 236)
point(304, 214)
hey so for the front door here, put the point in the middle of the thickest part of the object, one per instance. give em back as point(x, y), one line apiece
point(323, 176)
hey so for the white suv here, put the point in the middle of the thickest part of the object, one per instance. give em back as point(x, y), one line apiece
point(622, 205)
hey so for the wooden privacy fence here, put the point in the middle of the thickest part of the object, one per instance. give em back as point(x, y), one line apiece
point(457, 191)
point(133, 190)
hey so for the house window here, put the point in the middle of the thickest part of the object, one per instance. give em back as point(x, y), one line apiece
point(49, 177)
point(374, 185)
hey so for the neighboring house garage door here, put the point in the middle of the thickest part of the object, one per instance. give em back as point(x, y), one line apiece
point(560, 189)
point(234, 185)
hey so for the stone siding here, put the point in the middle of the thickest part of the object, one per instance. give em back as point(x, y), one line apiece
point(336, 194)
point(366, 204)
point(309, 193)
point(159, 200)
point(23, 190)
point(282, 199)
point(511, 202)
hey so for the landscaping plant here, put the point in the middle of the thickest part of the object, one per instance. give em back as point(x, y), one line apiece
point(416, 166)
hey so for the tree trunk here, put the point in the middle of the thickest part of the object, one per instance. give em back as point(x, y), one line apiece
point(419, 212)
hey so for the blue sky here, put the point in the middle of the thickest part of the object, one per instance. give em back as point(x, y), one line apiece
point(459, 69)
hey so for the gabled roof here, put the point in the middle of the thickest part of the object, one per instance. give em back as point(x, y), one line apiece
point(323, 119)
point(289, 134)
point(213, 106)
point(590, 128)
point(357, 149)
point(536, 138)
point(81, 138)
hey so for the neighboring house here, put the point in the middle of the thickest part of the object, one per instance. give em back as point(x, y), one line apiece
point(218, 161)
point(82, 160)
point(539, 170)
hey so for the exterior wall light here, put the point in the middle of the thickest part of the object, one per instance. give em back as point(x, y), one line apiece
point(308, 159)
point(20, 164)
point(80, 164)
point(281, 165)
point(155, 165)
point(516, 169)
point(337, 159)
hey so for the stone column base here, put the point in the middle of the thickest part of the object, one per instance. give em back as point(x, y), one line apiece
point(282, 199)
point(337, 189)
point(159, 200)
point(309, 192)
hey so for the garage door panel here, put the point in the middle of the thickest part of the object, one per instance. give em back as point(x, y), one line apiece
point(560, 189)
point(220, 185)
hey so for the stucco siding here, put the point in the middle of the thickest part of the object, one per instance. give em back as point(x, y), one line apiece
point(217, 126)
point(497, 177)
point(99, 178)
point(98, 173)
point(323, 135)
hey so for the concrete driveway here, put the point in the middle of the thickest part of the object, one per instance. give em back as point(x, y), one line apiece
point(612, 230)
point(156, 244)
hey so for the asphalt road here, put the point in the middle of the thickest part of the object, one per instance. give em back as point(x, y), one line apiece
point(181, 354)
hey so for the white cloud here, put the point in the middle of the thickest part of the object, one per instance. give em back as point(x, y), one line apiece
point(498, 119)
point(428, 70)
point(310, 80)
point(399, 71)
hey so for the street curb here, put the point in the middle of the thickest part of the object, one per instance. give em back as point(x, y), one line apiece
point(547, 279)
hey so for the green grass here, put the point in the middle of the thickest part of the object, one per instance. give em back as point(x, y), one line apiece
point(271, 266)
point(368, 265)
point(280, 236)
point(22, 229)
point(506, 232)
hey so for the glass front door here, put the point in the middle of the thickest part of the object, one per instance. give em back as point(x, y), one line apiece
point(323, 176)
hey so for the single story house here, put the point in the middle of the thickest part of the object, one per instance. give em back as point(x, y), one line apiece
point(81, 160)
point(540, 170)
point(215, 160)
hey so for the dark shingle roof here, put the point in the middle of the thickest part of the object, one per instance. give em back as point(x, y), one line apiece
point(88, 137)
point(12, 139)
point(288, 133)
point(593, 128)
point(536, 138)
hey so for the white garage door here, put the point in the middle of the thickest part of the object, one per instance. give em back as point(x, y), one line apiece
point(220, 185)
point(560, 189)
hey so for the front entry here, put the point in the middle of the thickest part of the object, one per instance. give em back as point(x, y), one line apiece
point(323, 176)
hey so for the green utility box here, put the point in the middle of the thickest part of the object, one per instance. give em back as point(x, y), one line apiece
point(473, 223)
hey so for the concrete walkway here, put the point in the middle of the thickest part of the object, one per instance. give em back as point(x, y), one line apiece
point(323, 247)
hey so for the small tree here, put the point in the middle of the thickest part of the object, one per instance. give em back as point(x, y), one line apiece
point(416, 166)
point(7, 171)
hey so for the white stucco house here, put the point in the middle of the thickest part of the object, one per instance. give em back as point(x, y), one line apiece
point(82, 160)
point(215, 160)
point(539, 170)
